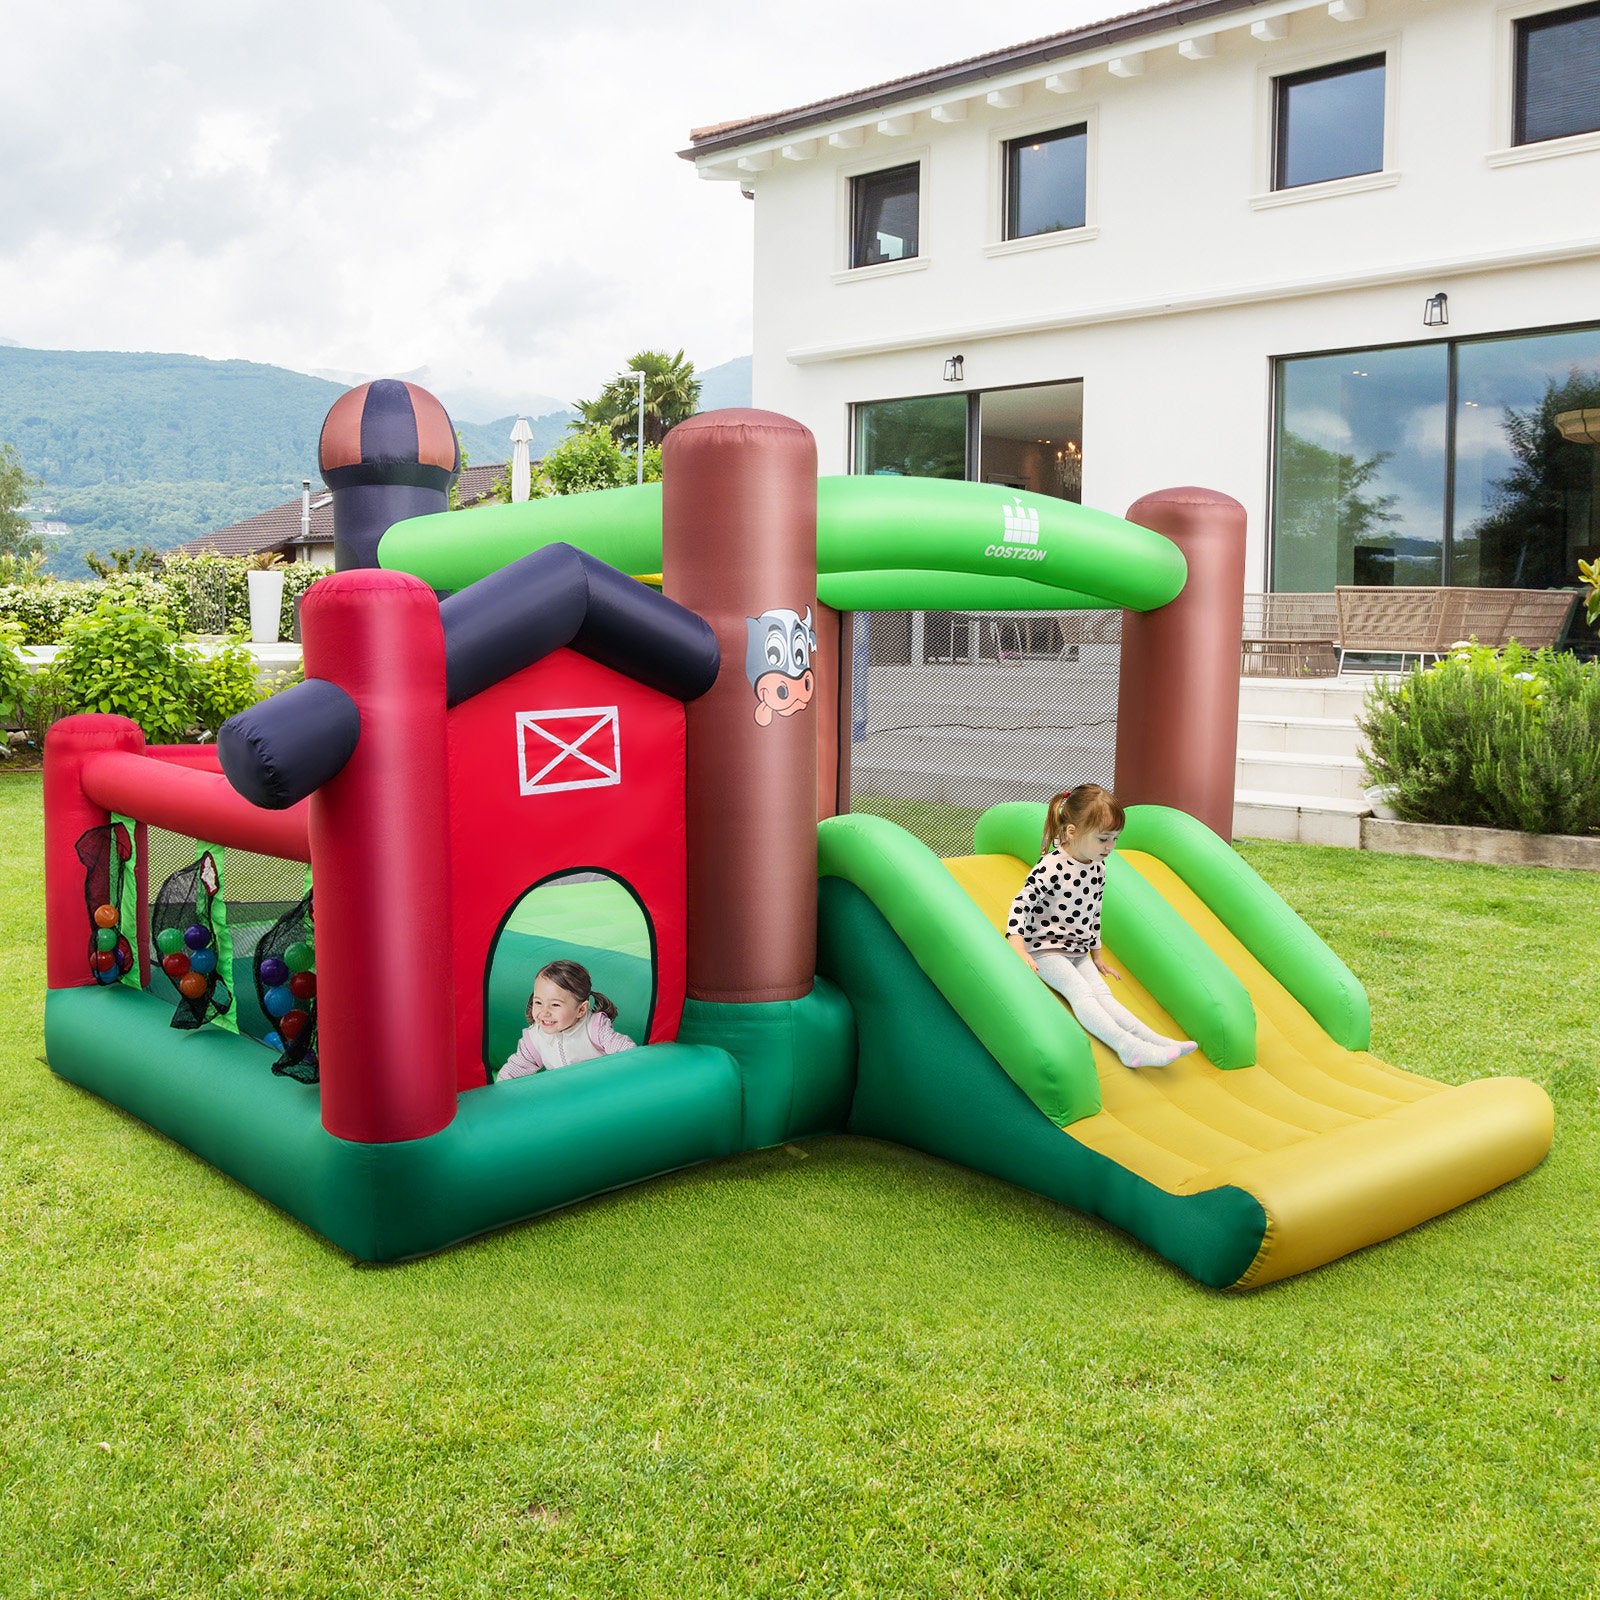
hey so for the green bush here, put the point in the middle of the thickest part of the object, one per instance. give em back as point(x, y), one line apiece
point(186, 578)
point(38, 610)
point(130, 661)
point(225, 683)
point(13, 675)
point(41, 610)
point(1490, 738)
point(47, 697)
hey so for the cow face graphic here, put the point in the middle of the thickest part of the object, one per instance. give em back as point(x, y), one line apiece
point(778, 662)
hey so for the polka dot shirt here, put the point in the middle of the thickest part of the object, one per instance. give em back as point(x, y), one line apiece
point(1058, 906)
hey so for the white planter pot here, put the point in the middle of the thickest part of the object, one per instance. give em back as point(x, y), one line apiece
point(266, 605)
point(1378, 797)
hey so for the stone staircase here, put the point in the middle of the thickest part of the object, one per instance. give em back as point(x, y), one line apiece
point(1299, 773)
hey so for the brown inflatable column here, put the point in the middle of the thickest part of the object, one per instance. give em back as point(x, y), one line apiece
point(1178, 699)
point(739, 546)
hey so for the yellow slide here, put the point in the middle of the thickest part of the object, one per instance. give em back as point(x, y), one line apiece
point(1340, 1149)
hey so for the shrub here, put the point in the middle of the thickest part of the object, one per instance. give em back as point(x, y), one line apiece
point(37, 610)
point(13, 675)
point(225, 683)
point(1492, 738)
point(129, 660)
point(192, 584)
point(47, 697)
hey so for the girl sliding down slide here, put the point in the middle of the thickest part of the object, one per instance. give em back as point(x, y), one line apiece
point(1055, 924)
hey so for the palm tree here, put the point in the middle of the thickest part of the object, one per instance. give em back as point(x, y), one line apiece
point(671, 393)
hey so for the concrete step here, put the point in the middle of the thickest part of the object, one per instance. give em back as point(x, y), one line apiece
point(1303, 697)
point(1312, 778)
point(1313, 736)
point(1259, 814)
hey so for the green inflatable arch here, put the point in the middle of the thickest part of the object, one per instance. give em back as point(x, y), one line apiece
point(886, 543)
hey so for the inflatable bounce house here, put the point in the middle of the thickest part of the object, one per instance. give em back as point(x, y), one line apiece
point(305, 953)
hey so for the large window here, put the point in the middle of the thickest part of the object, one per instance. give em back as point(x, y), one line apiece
point(884, 208)
point(1329, 123)
point(923, 437)
point(1029, 437)
point(1047, 179)
point(1360, 469)
point(1527, 500)
point(1558, 74)
point(1437, 463)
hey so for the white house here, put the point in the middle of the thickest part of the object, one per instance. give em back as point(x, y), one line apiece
point(1341, 261)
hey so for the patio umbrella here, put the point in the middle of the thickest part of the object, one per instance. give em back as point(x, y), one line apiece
point(521, 467)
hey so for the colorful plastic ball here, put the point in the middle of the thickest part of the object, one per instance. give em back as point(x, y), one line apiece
point(292, 1024)
point(303, 985)
point(276, 1001)
point(103, 961)
point(272, 972)
point(301, 957)
point(196, 937)
point(105, 916)
point(124, 956)
point(106, 977)
point(176, 965)
point(203, 961)
point(275, 1039)
point(168, 941)
point(105, 938)
point(191, 986)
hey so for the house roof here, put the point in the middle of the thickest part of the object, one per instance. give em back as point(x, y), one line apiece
point(1123, 29)
point(279, 527)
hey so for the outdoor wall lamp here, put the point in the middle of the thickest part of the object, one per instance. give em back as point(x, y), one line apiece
point(1436, 313)
point(953, 369)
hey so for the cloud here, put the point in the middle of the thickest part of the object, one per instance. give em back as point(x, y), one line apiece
point(386, 184)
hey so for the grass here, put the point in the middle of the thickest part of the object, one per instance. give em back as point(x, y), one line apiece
point(842, 1369)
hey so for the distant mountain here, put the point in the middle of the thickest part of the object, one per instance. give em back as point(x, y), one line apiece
point(157, 449)
point(468, 403)
point(727, 385)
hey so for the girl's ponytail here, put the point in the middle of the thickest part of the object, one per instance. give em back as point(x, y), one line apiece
point(1055, 819)
point(603, 1004)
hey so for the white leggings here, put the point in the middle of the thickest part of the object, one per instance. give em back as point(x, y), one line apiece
point(1078, 981)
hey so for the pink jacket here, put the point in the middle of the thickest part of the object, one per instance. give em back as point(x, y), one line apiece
point(526, 1060)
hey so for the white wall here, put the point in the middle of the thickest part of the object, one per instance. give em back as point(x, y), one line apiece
point(1192, 275)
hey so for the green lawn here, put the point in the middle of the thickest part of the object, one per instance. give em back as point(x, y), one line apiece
point(842, 1370)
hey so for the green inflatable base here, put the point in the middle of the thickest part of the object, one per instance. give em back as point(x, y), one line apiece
point(515, 1150)
point(924, 1080)
point(797, 1058)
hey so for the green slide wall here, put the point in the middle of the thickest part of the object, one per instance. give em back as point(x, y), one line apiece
point(924, 1079)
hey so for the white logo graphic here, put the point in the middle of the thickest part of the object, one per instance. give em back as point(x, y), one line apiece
point(576, 748)
point(1022, 523)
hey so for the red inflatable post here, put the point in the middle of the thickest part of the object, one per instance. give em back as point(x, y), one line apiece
point(68, 814)
point(380, 867)
point(1178, 698)
point(739, 546)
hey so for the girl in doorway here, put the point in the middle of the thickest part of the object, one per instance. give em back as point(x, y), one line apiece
point(1055, 924)
point(569, 1021)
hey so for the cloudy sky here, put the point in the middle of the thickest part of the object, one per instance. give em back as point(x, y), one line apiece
point(487, 192)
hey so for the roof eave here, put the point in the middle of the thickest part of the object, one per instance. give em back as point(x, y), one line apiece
point(1060, 48)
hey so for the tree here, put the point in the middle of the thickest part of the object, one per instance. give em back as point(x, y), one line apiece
point(671, 393)
point(21, 549)
point(132, 558)
point(589, 460)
